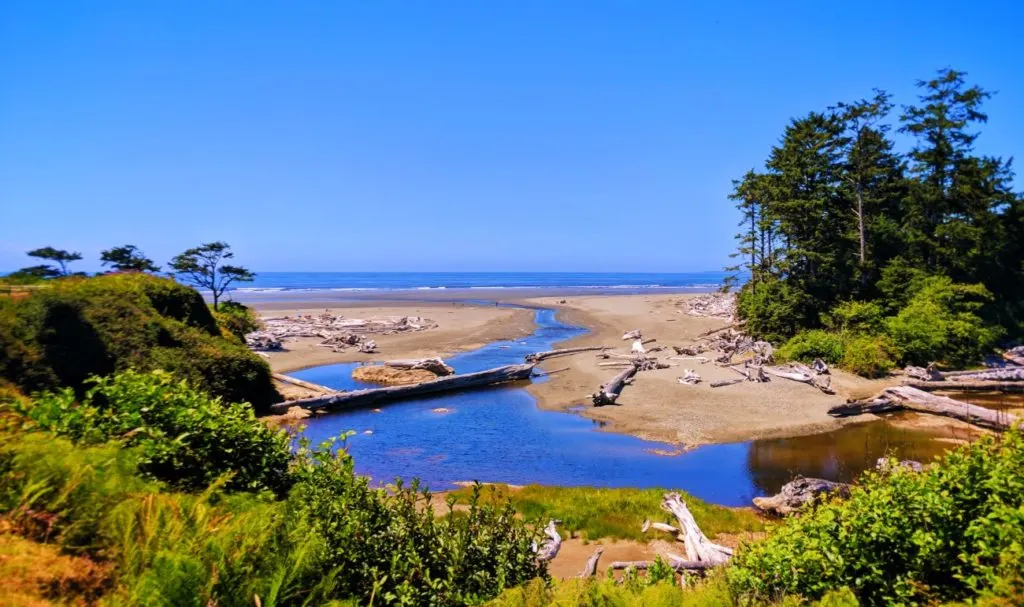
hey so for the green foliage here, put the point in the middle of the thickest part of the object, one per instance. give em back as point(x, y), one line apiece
point(609, 513)
point(393, 547)
point(868, 356)
point(204, 267)
point(634, 591)
point(951, 532)
point(31, 275)
point(807, 346)
point(236, 319)
point(79, 327)
point(774, 310)
point(62, 257)
point(183, 436)
point(860, 317)
point(128, 258)
point(941, 322)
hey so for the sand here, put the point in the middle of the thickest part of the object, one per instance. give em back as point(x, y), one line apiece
point(656, 406)
point(460, 327)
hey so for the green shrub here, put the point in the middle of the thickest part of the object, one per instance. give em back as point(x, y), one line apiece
point(808, 345)
point(236, 319)
point(941, 323)
point(392, 546)
point(774, 310)
point(952, 532)
point(868, 356)
point(75, 328)
point(856, 317)
point(183, 437)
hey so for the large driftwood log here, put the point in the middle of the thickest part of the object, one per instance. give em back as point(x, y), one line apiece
point(363, 398)
point(1006, 387)
point(631, 335)
point(608, 393)
point(804, 375)
point(726, 382)
point(549, 550)
point(698, 547)
point(288, 379)
point(797, 493)
point(536, 357)
point(922, 373)
point(434, 365)
point(590, 569)
point(906, 397)
point(995, 373)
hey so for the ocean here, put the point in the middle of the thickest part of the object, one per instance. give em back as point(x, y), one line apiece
point(425, 281)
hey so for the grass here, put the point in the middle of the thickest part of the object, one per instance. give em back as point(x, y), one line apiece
point(38, 575)
point(613, 513)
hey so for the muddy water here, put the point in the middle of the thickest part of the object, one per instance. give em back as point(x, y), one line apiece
point(499, 435)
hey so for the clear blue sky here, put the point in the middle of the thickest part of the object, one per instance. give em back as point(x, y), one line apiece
point(442, 135)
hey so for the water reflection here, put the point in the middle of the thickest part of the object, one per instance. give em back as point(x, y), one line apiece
point(499, 435)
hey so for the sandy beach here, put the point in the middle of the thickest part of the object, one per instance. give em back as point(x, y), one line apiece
point(656, 406)
point(460, 327)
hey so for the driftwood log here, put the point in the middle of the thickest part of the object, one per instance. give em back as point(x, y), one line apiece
point(675, 562)
point(590, 569)
point(797, 493)
point(803, 374)
point(549, 549)
point(288, 379)
point(1015, 355)
point(631, 335)
point(698, 547)
point(726, 382)
point(998, 374)
point(906, 397)
point(536, 357)
point(608, 393)
point(434, 365)
point(690, 377)
point(363, 398)
point(1006, 387)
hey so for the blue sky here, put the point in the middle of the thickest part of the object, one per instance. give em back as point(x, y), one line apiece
point(375, 136)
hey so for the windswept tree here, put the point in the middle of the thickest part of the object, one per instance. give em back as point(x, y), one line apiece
point(204, 267)
point(128, 258)
point(33, 273)
point(60, 256)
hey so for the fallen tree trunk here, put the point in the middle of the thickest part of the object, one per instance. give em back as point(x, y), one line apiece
point(590, 569)
point(1006, 387)
point(726, 382)
point(434, 365)
point(288, 379)
point(675, 562)
point(798, 493)
point(536, 357)
point(549, 550)
point(363, 398)
point(698, 547)
point(608, 393)
point(907, 397)
point(803, 377)
point(1003, 374)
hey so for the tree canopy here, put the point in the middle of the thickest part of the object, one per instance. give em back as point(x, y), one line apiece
point(60, 256)
point(128, 258)
point(204, 267)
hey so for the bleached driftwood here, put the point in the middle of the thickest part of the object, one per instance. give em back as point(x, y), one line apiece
point(638, 347)
point(609, 392)
point(804, 375)
point(434, 365)
point(288, 379)
point(1015, 355)
point(536, 357)
point(549, 550)
point(689, 377)
point(590, 568)
point(1005, 387)
point(368, 346)
point(906, 397)
point(721, 383)
point(701, 359)
point(363, 398)
point(993, 374)
point(797, 493)
point(923, 373)
point(698, 547)
point(631, 335)
point(689, 350)
point(678, 563)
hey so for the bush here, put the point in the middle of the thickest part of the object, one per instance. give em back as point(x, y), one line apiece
point(868, 356)
point(813, 344)
point(859, 317)
point(773, 310)
point(182, 436)
point(952, 532)
point(236, 319)
point(75, 328)
point(941, 323)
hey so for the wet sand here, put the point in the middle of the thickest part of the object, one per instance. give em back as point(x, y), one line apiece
point(656, 406)
point(460, 327)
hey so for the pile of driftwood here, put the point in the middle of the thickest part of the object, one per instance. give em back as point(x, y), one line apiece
point(640, 358)
point(337, 332)
point(712, 305)
point(700, 553)
point(1000, 379)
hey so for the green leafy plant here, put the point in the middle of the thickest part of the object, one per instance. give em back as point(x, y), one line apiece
point(808, 345)
point(868, 356)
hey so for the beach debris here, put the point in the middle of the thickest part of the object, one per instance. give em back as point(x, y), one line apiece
point(638, 347)
point(549, 549)
point(631, 335)
point(288, 379)
point(261, 341)
point(701, 553)
point(690, 350)
point(799, 492)
point(803, 374)
point(536, 357)
point(441, 410)
point(914, 399)
point(609, 392)
point(590, 568)
point(961, 385)
point(435, 365)
point(721, 383)
point(368, 346)
point(336, 331)
point(996, 374)
point(689, 377)
point(1015, 355)
point(712, 305)
point(701, 359)
point(819, 367)
point(372, 396)
point(928, 373)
